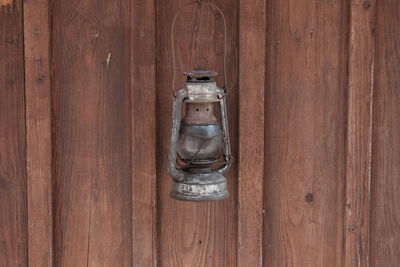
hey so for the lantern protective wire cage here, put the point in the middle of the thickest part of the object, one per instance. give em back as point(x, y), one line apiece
point(200, 152)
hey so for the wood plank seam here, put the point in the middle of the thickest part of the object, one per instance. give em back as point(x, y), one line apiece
point(144, 175)
point(38, 133)
point(251, 163)
point(359, 133)
point(13, 160)
point(371, 148)
point(385, 171)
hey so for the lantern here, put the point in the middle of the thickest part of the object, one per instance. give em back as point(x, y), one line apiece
point(200, 151)
point(200, 148)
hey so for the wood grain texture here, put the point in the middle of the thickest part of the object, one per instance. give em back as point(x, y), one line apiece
point(91, 59)
point(144, 191)
point(305, 133)
point(85, 121)
point(194, 234)
point(385, 185)
point(251, 132)
point(38, 133)
point(13, 224)
point(359, 132)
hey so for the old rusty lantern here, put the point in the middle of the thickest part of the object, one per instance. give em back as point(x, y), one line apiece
point(200, 151)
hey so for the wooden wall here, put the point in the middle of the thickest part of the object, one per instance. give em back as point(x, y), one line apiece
point(314, 107)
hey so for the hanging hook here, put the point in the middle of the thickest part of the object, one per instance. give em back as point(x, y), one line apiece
point(199, 2)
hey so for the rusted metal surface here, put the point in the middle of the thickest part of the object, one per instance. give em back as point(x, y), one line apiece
point(200, 73)
point(203, 91)
point(199, 114)
point(200, 187)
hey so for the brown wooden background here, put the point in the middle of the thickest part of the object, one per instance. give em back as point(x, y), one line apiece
point(314, 106)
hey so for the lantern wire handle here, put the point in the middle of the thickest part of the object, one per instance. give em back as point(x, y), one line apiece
point(198, 2)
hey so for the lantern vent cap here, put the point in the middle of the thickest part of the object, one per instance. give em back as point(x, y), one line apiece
point(200, 76)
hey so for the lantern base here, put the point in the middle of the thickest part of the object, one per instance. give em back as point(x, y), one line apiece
point(200, 187)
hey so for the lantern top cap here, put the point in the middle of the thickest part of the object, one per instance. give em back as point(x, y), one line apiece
point(200, 73)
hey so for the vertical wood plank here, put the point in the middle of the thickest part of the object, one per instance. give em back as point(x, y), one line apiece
point(144, 191)
point(91, 59)
point(251, 132)
point(194, 234)
point(359, 131)
point(38, 133)
point(305, 132)
point(385, 184)
point(13, 225)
